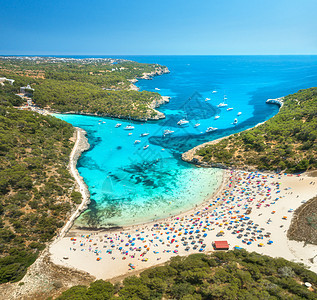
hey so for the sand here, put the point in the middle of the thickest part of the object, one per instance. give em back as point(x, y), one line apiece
point(103, 254)
point(80, 146)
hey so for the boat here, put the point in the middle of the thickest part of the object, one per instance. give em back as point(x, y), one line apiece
point(217, 117)
point(130, 133)
point(144, 134)
point(211, 129)
point(182, 122)
point(166, 132)
point(235, 121)
point(157, 89)
point(230, 108)
point(137, 141)
point(239, 113)
point(222, 104)
point(145, 147)
point(118, 125)
point(103, 122)
point(214, 92)
point(129, 127)
point(207, 99)
point(196, 125)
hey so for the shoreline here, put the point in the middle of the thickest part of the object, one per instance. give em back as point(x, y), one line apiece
point(227, 204)
point(116, 264)
point(80, 146)
point(190, 157)
point(201, 205)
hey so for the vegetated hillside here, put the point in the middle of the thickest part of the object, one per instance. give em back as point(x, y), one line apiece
point(288, 141)
point(222, 275)
point(96, 86)
point(35, 185)
point(71, 96)
point(304, 223)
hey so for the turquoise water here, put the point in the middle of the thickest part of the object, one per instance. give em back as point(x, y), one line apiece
point(130, 185)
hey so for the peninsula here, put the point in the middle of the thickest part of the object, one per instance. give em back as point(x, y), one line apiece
point(90, 86)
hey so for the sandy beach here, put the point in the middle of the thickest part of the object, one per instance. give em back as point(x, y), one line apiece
point(81, 145)
point(252, 210)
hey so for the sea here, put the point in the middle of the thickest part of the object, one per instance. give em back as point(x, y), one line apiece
point(131, 185)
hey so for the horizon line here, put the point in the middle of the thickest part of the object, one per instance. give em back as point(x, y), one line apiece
point(52, 55)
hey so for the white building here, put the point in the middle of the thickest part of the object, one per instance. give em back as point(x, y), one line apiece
point(3, 79)
point(26, 89)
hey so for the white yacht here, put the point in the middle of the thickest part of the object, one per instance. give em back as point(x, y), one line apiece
point(211, 129)
point(207, 99)
point(166, 132)
point(217, 117)
point(235, 121)
point(214, 92)
point(118, 125)
point(239, 113)
point(157, 89)
point(196, 125)
point(144, 134)
point(129, 127)
point(145, 147)
point(182, 122)
point(222, 104)
point(137, 141)
point(230, 108)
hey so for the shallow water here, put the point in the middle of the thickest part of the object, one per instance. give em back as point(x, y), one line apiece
point(129, 185)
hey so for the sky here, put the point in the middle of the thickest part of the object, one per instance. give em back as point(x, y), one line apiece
point(152, 27)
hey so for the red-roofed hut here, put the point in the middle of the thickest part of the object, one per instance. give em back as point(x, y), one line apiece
point(221, 245)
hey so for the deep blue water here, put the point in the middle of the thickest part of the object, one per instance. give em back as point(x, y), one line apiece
point(130, 185)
